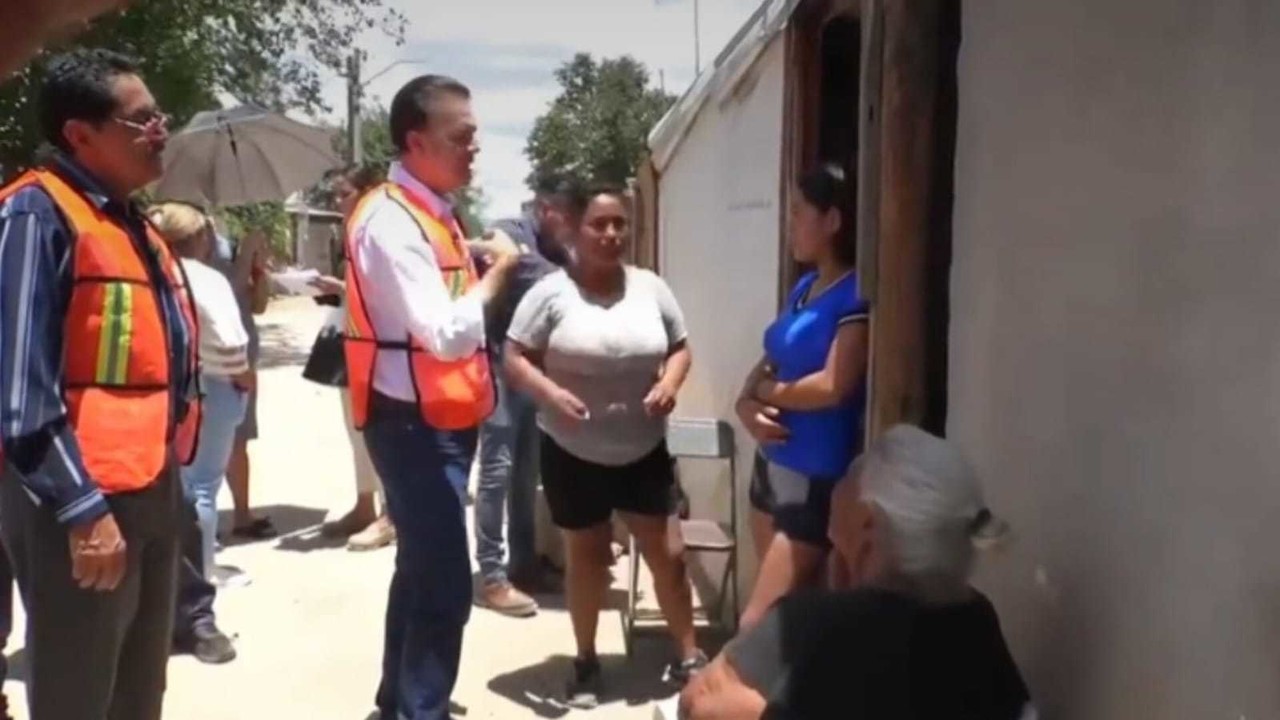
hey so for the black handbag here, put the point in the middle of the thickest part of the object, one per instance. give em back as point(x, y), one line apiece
point(327, 364)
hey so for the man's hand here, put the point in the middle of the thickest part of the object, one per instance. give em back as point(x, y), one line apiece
point(25, 25)
point(660, 401)
point(98, 557)
point(57, 19)
point(58, 13)
point(245, 381)
point(496, 247)
point(496, 254)
point(761, 421)
point(718, 693)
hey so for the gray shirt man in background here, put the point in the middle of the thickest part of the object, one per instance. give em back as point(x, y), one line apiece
point(508, 454)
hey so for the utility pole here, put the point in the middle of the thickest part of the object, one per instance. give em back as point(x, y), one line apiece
point(697, 41)
point(355, 141)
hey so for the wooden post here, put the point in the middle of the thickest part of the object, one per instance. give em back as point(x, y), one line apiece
point(909, 101)
point(869, 135)
point(645, 212)
point(792, 146)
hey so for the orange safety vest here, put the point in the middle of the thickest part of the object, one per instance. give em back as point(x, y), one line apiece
point(452, 394)
point(116, 356)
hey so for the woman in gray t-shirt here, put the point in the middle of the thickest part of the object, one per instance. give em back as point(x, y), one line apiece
point(602, 348)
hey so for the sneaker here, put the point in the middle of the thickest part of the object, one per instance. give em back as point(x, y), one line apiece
point(208, 645)
point(505, 599)
point(680, 673)
point(379, 534)
point(583, 692)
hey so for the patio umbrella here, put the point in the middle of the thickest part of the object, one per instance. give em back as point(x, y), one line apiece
point(244, 155)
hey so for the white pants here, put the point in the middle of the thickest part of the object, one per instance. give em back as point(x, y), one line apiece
point(366, 477)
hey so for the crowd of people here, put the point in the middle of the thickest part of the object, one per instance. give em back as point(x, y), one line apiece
point(127, 392)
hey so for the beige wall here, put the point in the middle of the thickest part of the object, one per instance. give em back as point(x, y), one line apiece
point(718, 244)
point(1115, 334)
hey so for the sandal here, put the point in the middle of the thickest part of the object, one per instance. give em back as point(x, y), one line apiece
point(259, 529)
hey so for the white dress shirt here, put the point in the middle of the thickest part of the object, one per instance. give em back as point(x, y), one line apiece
point(224, 342)
point(403, 291)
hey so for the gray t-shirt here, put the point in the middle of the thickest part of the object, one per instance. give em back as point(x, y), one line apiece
point(608, 354)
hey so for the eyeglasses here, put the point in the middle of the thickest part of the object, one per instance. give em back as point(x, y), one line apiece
point(149, 123)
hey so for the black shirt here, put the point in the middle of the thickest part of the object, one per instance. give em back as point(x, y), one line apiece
point(876, 655)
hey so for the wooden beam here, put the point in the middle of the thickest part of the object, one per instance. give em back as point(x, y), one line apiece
point(909, 102)
point(646, 234)
point(869, 135)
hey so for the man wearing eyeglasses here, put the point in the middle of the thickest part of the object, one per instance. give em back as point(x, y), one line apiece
point(97, 388)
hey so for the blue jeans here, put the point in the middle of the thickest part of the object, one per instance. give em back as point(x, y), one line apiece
point(196, 593)
point(223, 410)
point(508, 475)
point(424, 479)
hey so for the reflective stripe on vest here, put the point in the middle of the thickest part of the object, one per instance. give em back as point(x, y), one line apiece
point(116, 346)
point(117, 334)
point(452, 395)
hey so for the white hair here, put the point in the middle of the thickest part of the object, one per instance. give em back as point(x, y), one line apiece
point(932, 504)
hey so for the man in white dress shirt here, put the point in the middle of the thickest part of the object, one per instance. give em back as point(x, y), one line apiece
point(416, 332)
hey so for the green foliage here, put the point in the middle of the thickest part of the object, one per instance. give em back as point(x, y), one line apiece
point(269, 52)
point(596, 130)
point(269, 217)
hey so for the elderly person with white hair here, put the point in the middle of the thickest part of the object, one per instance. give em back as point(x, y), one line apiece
point(224, 382)
point(904, 636)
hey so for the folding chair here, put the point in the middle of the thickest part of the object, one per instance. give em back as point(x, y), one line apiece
point(702, 439)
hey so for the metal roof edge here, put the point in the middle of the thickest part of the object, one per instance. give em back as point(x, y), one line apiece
point(732, 63)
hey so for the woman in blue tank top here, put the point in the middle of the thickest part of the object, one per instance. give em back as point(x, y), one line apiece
point(804, 401)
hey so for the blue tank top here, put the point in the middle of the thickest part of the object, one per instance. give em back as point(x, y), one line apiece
point(822, 443)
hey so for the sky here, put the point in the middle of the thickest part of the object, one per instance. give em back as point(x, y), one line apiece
point(507, 51)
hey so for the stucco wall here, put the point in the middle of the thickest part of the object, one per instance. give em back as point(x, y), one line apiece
point(718, 249)
point(1115, 341)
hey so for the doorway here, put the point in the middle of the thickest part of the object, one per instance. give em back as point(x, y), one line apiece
point(917, 130)
point(916, 111)
point(824, 79)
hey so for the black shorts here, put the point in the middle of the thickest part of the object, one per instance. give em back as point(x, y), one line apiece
point(582, 494)
point(800, 506)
